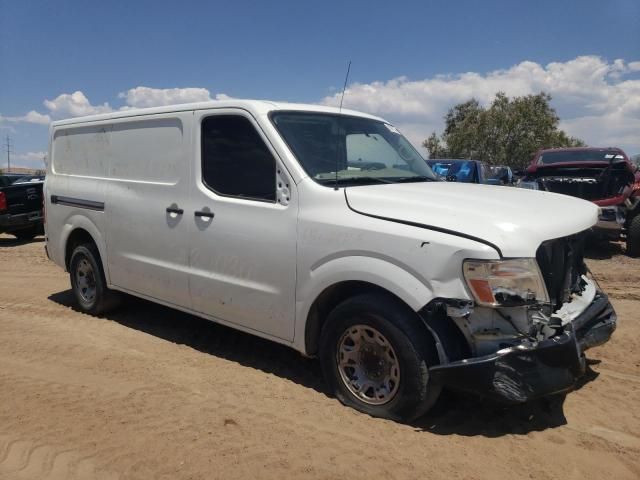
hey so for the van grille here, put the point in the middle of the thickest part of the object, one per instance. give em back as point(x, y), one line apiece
point(561, 262)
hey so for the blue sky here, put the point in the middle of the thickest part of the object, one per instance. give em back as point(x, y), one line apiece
point(411, 60)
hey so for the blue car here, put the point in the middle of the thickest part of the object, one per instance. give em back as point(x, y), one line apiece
point(466, 171)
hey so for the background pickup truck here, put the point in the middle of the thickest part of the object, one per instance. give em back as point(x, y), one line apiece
point(21, 206)
point(604, 176)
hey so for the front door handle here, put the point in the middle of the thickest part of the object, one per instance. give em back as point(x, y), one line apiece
point(206, 215)
point(175, 210)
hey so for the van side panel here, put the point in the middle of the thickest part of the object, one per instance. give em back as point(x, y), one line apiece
point(150, 170)
point(76, 185)
point(82, 151)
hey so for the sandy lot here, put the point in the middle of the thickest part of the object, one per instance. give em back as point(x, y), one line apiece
point(149, 392)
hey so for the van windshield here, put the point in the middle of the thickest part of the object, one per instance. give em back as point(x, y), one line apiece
point(338, 149)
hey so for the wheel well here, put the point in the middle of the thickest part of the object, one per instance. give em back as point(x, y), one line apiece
point(78, 237)
point(329, 299)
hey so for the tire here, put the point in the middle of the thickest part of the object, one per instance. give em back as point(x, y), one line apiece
point(26, 234)
point(633, 237)
point(88, 281)
point(385, 373)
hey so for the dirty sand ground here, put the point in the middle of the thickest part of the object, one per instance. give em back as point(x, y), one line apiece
point(152, 393)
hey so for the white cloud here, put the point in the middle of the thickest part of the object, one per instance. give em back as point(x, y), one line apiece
point(74, 104)
point(141, 97)
point(30, 117)
point(589, 94)
point(36, 117)
point(77, 104)
point(612, 129)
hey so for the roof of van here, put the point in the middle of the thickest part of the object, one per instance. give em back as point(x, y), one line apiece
point(254, 106)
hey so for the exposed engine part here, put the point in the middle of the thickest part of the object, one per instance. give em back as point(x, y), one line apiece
point(458, 308)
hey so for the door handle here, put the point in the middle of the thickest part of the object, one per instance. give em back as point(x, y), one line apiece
point(175, 210)
point(204, 214)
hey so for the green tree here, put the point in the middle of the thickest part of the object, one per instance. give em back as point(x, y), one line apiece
point(435, 146)
point(508, 132)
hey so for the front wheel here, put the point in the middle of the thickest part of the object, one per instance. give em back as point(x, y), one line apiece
point(375, 357)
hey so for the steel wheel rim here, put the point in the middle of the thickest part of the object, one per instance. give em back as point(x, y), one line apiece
point(86, 280)
point(368, 365)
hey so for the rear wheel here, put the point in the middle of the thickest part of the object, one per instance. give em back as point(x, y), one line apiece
point(375, 357)
point(88, 281)
point(633, 237)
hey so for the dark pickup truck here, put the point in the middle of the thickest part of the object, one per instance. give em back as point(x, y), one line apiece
point(21, 206)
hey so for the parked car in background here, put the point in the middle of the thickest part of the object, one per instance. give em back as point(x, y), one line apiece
point(604, 176)
point(501, 175)
point(21, 206)
point(7, 179)
point(463, 171)
point(325, 230)
point(29, 179)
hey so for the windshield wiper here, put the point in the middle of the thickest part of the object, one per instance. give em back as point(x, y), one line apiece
point(416, 178)
point(354, 180)
point(365, 179)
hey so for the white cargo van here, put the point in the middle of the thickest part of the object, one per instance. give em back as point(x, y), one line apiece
point(325, 230)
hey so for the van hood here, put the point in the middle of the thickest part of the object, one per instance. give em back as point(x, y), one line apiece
point(513, 221)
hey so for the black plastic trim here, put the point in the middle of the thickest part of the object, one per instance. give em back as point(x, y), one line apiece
point(78, 202)
point(201, 213)
point(428, 227)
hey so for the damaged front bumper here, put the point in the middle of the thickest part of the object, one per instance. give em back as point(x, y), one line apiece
point(520, 373)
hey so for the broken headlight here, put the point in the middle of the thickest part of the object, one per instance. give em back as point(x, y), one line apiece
point(505, 283)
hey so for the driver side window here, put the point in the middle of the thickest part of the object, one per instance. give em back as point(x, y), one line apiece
point(235, 160)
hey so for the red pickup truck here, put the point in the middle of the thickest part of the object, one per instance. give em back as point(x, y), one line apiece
point(604, 176)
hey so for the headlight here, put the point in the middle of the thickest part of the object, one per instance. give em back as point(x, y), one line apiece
point(505, 283)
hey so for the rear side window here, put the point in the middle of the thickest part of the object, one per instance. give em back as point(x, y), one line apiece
point(235, 160)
